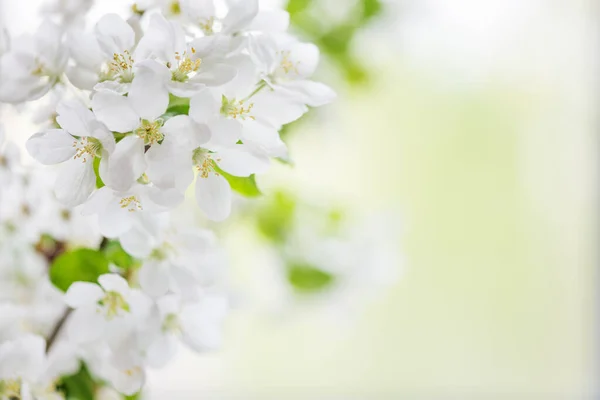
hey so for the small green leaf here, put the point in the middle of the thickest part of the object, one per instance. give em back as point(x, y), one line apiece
point(99, 183)
point(306, 279)
point(246, 186)
point(275, 220)
point(80, 386)
point(177, 106)
point(116, 255)
point(371, 9)
point(78, 265)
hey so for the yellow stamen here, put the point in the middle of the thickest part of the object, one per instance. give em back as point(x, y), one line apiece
point(131, 203)
point(150, 131)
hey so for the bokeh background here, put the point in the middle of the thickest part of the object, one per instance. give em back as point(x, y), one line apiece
point(476, 121)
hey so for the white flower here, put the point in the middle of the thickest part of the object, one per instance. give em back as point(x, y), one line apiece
point(33, 65)
point(174, 259)
point(184, 69)
point(26, 372)
point(118, 212)
point(287, 65)
point(106, 56)
point(100, 311)
point(81, 139)
point(198, 325)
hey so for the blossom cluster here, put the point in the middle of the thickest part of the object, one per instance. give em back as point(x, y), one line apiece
point(117, 328)
point(182, 93)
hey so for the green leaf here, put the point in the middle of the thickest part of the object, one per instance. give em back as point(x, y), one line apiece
point(306, 279)
point(246, 186)
point(78, 265)
point(177, 106)
point(99, 183)
point(115, 254)
point(371, 9)
point(297, 6)
point(275, 220)
point(80, 386)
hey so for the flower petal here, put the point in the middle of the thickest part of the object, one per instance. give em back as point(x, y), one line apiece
point(148, 94)
point(240, 16)
point(204, 106)
point(51, 147)
point(115, 111)
point(114, 35)
point(240, 161)
point(213, 195)
point(114, 283)
point(75, 182)
point(82, 294)
point(154, 278)
point(74, 117)
point(126, 164)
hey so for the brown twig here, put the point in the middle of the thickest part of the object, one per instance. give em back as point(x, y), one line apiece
point(56, 331)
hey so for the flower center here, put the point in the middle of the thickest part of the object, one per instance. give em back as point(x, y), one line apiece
point(236, 109)
point(163, 252)
point(205, 163)
point(121, 67)
point(171, 324)
point(150, 131)
point(10, 389)
point(87, 148)
point(207, 25)
point(131, 203)
point(286, 64)
point(132, 371)
point(185, 66)
point(113, 303)
point(175, 7)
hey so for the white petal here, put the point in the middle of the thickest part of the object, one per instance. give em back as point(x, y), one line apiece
point(114, 220)
point(274, 20)
point(115, 111)
point(213, 195)
point(216, 75)
point(204, 106)
point(277, 110)
point(154, 278)
point(161, 351)
point(161, 40)
point(224, 132)
point(82, 294)
point(126, 164)
point(82, 78)
point(148, 93)
point(129, 381)
point(170, 166)
point(85, 49)
point(182, 130)
point(137, 242)
point(265, 138)
point(305, 56)
point(311, 93)
point(75, 182)
point(74, 117)
point(113, 86)
point(240, 16)
point(114, 35)
point(114, 283)
point(98, 201)
point(239, 161)
point(185, 89)
point(85, 325)
point(51, 147)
